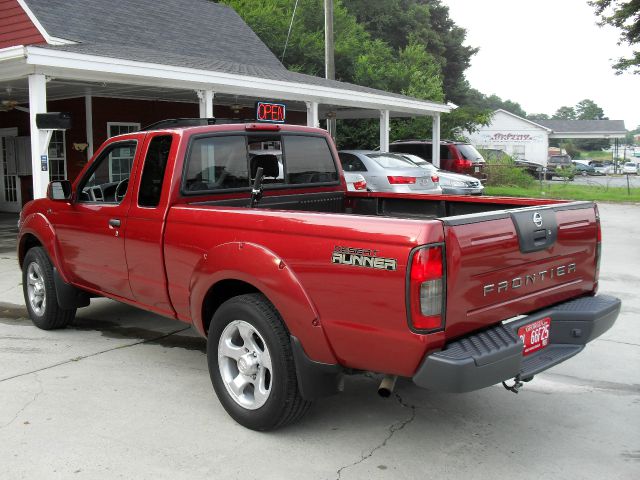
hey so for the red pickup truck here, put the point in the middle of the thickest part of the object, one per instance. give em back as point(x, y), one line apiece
point(296, 282)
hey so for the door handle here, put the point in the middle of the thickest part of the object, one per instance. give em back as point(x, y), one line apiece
point(114, 222)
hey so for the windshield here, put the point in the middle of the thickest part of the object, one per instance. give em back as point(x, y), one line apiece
point(389, 160)
point(469, 152)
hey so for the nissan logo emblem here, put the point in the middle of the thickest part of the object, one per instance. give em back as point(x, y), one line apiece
point(537, 219)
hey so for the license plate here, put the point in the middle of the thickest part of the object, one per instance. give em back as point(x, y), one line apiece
point(535, 336)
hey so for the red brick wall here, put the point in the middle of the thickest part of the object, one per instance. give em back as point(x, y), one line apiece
point(15, 26)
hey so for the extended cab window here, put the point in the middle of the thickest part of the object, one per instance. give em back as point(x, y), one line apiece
point(155, 165)
point(216, 163)
point(108, 179)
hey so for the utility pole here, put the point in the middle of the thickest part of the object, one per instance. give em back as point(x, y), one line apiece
point(330, 67)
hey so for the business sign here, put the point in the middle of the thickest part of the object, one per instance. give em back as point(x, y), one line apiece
point(495, 138)
point(270, 112)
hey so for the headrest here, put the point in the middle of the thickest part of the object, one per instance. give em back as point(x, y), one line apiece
point(269, 164)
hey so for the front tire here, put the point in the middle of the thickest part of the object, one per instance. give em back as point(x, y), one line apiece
point(40, 292)
point(251, 364)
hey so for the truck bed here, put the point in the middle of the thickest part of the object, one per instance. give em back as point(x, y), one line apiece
point(363, 310)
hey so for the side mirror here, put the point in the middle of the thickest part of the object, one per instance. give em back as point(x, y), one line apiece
point(59, 190)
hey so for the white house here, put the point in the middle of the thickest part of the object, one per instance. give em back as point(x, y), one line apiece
point(517, 136)
point(529, 140)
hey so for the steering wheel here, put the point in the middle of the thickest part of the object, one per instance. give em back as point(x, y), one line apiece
point(121, 190)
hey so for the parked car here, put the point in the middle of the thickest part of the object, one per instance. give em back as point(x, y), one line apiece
point(583, 169)
point(560, 166)
point(296, 283)
point(451, 183)
point(355, 182)
point(532, 168)
point(631, 167)
point(456, 157)
point(603, 168)
point(389, 172)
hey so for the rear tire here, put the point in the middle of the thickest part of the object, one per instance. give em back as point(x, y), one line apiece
point(251, 364)
point(40, 292)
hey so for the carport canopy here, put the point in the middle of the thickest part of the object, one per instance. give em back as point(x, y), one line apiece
point(201, 64)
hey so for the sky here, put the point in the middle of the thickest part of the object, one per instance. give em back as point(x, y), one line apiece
point(545, 54)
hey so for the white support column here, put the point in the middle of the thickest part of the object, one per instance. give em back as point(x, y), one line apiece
point(384, 130)
point(312, 114)
point(206, 103)
point(88, 114)
point(39, 138)
point(435, 138)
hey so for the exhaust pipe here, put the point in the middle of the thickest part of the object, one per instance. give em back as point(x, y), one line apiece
point(387, 385)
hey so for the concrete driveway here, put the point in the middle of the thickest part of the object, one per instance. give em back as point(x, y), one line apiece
point(126, 394)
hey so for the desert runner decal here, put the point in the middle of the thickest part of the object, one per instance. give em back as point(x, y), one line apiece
point(362, 257)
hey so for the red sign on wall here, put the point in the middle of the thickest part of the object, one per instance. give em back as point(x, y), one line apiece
point(270, 112)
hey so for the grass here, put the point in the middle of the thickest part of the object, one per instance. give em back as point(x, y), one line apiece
point(596, 155)
point(569, 192)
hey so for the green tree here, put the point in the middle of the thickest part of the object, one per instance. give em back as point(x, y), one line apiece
point(624, 15)
point(538, 116)
point(589, 110)
point(565, 113)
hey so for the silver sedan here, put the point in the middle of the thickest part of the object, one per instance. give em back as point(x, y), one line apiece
point(451, 183)
point(389, 172)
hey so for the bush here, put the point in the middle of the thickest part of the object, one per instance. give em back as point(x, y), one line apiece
point(504, 172)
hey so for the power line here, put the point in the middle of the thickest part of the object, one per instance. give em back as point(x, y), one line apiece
point(289, 33)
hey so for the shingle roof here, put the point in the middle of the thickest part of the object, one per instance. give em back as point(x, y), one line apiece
point(180, 27)
point(584, 126)
point(196, 34)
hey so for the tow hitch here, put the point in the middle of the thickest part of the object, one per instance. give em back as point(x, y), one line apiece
point(518, 383)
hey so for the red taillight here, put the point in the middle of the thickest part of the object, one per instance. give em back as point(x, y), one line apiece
point(435, 178)
point(463, 165)
point(395, 180)
point(426, 288)
point(361, 185)
point(598, 249)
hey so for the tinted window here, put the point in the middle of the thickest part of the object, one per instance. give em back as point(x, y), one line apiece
point(308, 160)
point(423, 150)
point(351, 163)
point(155, 165)
point(217, 162)
point(108, 180)
point(444, 152)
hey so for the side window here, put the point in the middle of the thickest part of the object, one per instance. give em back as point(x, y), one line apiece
point(444, 152)
point(155, 165)
point(216, 163)
point(308, 160)
point(351, 163)
point(108, 179)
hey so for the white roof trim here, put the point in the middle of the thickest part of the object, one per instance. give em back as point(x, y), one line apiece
point(105, 69)
point(524, 119)
point(48, 38)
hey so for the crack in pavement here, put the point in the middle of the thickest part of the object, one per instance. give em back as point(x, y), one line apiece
point(393, 428)
point(35, 397)
point(618, 341)
point(82, 357)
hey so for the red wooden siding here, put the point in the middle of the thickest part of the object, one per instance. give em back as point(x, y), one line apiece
point(15, 26)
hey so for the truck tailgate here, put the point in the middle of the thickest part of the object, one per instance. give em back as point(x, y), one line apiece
point(508, 263)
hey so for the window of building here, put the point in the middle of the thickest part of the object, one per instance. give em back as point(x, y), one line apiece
point(518, 152)
point(57, 156)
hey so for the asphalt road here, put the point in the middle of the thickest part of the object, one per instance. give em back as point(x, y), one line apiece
point(126, 394)
point(607, 180)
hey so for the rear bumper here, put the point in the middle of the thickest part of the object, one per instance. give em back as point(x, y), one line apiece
point(494, 355)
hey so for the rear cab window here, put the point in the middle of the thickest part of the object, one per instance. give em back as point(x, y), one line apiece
point(223, 162)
